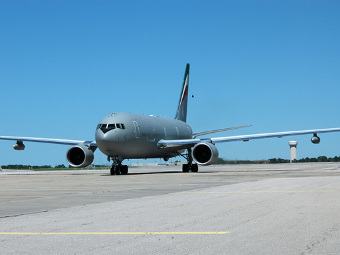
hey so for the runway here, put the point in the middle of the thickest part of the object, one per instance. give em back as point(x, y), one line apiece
point(232, 209)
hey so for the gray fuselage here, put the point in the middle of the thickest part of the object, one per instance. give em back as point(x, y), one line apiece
point(133, 136)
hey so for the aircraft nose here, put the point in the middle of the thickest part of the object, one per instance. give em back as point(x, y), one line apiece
point(103, 141)
point(110, 143)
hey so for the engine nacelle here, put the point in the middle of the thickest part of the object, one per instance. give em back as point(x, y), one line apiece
point(79, 156)
point(19, 146)
point(204, 153)
point(315, 139)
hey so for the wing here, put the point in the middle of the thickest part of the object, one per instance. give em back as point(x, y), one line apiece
point(178, 143)
point(245, 138)
point(48, 140)
point(194, 135)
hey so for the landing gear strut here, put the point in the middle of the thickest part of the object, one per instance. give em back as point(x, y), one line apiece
point(117, 167)
point(190, 166)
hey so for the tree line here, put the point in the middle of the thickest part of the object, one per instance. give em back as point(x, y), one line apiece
point(306, 160)
point(222, 161)
point(45, 167)
point(25, 167)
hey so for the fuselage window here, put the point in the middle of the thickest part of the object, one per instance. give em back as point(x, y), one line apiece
point(123, 126)
point(118, 125)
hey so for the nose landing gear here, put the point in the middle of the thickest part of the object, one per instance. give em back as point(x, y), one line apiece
point(117, 167)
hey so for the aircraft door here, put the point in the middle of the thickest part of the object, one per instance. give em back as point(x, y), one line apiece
point(137, 131)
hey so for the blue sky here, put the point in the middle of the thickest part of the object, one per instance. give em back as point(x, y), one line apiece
point(64, 65)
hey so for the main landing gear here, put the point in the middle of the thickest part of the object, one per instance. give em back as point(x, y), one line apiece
point(190, 166)
point(117, 167)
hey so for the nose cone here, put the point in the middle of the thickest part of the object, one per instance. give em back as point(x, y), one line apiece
point(103, 141)
point(111, 143)
point(111, 134)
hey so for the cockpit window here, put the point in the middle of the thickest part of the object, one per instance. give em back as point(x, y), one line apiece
point(107, 127)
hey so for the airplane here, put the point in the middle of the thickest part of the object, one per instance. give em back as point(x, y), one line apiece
point(123, 136)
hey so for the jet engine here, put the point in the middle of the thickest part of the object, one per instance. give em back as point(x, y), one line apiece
point(19, 146)
point(315, 139)
point(204, 153)
point(79, 156)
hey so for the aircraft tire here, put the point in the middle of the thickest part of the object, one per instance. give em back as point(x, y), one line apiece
point(112, 171)
point(185, 168)
point(118, 168)
point(124, 169)
point(115, 170)
point(194, 168)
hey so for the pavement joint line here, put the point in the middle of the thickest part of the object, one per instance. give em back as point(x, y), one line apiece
point(116, 233)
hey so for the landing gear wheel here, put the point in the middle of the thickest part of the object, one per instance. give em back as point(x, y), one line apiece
point(117, 167)
point(115, 170)
point(112, 171)
point(189, 166)
point(185, 168)
point(194, 168)
point(124, 169)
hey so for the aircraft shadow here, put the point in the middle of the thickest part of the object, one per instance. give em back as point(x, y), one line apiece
point(160, 172)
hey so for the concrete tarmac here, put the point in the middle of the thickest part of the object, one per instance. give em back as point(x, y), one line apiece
point(232, 209)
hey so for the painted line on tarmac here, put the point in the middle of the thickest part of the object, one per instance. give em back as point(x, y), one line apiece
point(259, 191)
point(115, 233)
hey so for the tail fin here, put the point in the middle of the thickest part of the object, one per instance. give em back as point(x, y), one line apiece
point(181, 113)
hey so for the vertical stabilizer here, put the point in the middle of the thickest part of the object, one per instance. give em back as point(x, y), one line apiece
point(181, 113)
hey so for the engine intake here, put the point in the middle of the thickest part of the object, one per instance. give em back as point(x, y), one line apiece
point(79, 156)
point(204, 153)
